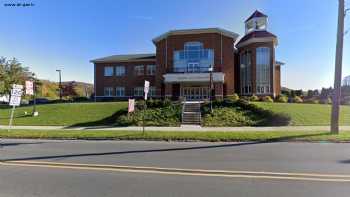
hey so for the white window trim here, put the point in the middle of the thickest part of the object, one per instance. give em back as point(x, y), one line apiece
point(117, 73)
point(105, 69)
point(110, 92)
point(119, 88)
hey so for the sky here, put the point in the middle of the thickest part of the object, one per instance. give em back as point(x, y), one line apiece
point(66, 35)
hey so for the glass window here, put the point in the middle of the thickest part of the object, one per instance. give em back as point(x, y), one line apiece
point(261, 23)
point(120, 70)
point(108, 91)
point(120, 91)
point(139, 70)
point(263, 70)
point(138, 91)
point(245, 72)
point(108, 71)
point(250, 25)
point(151, 69)
point(152, 91)
point(193, 53)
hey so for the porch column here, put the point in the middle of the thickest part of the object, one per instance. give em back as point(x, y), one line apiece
point(168, 90)
point(219, 91)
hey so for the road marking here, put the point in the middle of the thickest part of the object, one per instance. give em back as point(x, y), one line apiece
point(187, 172)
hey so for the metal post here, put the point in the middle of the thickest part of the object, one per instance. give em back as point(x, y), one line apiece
point(60, 83)
point(143, 117)
point(11, 118)
point(211, 88)
point(338, 70)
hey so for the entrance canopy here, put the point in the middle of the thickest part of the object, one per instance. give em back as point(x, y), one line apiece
point(193, 77)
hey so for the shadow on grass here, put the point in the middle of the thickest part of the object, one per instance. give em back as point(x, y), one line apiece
point(258, 115)
point(106, 122)
point(231, 145)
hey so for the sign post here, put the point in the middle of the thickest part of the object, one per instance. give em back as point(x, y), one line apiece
point(146, 90)
point(30, 90)
point(15, 100)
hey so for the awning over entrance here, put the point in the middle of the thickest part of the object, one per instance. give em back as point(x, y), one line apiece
point(193, 77)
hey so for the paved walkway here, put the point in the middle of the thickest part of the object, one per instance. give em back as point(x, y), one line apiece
point(182, 128)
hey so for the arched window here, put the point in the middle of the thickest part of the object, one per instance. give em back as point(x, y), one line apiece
point(193, 58)
point(263, 70)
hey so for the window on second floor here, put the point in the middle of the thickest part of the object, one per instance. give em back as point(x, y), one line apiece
point(120, 70)
point(193, 53)
point(109, 71)
point(139, 70)
point(151, 69)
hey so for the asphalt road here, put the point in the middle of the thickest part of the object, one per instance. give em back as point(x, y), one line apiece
point(318, 158)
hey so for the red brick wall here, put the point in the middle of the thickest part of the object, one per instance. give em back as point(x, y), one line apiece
point(167, 46)
point(252, 47)
point(129, 81)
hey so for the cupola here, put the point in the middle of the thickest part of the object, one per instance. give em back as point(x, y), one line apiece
point(256, 22)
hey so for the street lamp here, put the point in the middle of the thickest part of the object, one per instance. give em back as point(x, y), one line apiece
point(210, 69)
point(60, 83)
point(35, 113)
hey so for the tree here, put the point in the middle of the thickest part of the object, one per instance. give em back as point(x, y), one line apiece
point(11, 72)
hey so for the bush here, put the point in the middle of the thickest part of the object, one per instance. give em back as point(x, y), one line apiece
point(254, 98)
point(80, 99)
point(312, 101)
point(227, 117)
point(282, 99)
point(267, 99)
point(297, 99)
point(326, 101)
point(233, 97)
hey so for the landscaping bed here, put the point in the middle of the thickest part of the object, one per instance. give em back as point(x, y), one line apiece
point(228, 113)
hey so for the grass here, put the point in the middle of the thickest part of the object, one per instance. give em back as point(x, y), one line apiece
point(307, 114)
point(241, 113)
point(266, 136)
point(66, 114)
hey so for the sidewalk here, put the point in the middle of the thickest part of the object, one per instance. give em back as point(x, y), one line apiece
point(182, 128)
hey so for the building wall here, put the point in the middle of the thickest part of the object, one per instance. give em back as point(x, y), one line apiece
point(223, 47)
point(274, 83)
point(129, 80)
point(277, 80)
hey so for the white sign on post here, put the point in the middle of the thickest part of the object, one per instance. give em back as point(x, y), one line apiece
point(146, 89)
point(131, 106)
point(29, 88)
point(16, 94)
point(15, 100)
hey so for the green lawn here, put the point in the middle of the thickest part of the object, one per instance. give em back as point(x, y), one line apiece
point(66, 114)
point(265, 136)
point(307, 114)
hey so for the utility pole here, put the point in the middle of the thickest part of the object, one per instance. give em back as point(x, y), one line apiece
point(60, 83)
point(211, 87)
point(338, 70)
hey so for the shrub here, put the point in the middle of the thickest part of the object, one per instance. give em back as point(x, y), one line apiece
point(326, 101)
point(297, 99)
point(312, 101)
point(282, 99)
point(267, 99)
point(233, 97)
point(254, 98)
point(227, 117)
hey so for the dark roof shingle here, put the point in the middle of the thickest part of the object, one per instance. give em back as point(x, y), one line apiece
point(256, 34)
point(256, 14)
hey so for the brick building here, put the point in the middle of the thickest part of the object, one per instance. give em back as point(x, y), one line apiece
point(185, 60)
